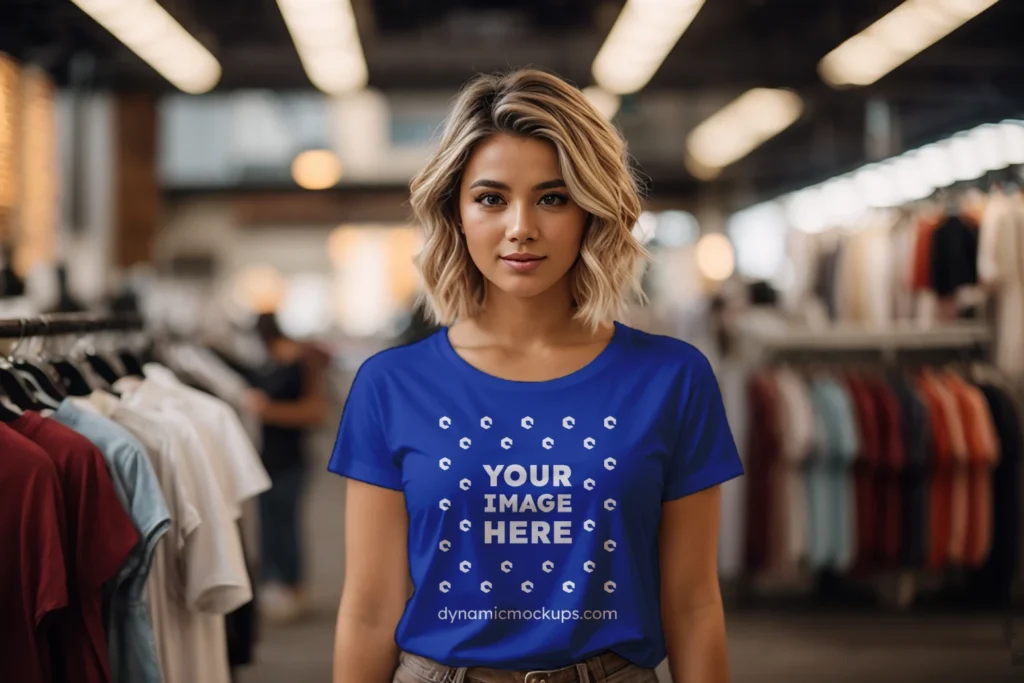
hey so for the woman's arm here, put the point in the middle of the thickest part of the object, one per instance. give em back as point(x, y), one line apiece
point(376, 587)
point(691, 600)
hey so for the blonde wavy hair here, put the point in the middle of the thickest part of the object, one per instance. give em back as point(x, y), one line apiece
point(596, 169)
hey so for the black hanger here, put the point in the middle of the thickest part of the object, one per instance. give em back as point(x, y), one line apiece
point(42, 379)
point(18, 391)
point(71, 377)
point(42, 396)
point(102, 368)
point(132, 365)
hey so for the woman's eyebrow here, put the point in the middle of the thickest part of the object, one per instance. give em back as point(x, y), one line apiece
point(494, 184)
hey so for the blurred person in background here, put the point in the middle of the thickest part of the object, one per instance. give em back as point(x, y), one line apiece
point(289, 396)
point(532, 391)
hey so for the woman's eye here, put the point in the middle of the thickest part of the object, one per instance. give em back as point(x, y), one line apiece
point(489, 199)
point(553, 199)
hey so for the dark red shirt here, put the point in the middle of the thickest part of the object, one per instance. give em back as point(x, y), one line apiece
point(100, 535)
point(33, 583)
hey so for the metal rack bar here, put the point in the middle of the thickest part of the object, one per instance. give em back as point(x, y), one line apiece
point(68, 323)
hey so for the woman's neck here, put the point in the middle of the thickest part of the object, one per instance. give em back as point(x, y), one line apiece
point(520, 322)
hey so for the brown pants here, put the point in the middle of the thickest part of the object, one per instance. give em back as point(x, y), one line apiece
point(603, 668)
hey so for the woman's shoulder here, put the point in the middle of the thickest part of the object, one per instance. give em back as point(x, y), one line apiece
point(401, 358)
point(665, 350)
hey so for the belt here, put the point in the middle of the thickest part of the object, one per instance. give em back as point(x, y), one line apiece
point(592, 670)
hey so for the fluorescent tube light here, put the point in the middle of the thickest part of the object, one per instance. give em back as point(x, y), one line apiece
point(894, 39)
point(739, 128)
point(641, 38)
point(151, 33)
point(327, 40)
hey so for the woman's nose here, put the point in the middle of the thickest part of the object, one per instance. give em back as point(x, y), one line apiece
point(522, 227)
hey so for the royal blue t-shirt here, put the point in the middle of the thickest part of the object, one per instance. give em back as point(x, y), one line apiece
point(534, 506)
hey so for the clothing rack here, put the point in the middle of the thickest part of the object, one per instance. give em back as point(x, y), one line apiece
point(772, 340)
point(68, 323)
point(119, 426)
point(768, 341)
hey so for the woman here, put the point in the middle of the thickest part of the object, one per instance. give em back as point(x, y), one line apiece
point(546, 477)
point(290, 399)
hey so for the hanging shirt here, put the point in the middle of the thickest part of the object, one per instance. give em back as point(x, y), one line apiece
point(830, 477)
point(889, 536)
point(865, 472)
point(100, 537)
point(959, 506)
point(1001, 267)
point(941, 481)
point(242, 469)
point(534, 506)
point(33, 578)
point(982, 457)
point(916, 430)
point(798, 441)
point(954, 256)
point(200, 574)
point(997, 575)
point(133, 657)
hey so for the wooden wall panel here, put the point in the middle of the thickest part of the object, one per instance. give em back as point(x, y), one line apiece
point(137, 192)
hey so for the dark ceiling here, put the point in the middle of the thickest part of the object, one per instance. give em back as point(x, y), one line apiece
point(975, 75)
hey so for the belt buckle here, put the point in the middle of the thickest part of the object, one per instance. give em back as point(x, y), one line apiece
point(542, 675)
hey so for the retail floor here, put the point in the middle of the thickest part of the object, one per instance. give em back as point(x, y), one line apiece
point(763, 647)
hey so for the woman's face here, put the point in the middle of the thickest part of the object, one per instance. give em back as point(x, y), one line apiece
point(522, 229)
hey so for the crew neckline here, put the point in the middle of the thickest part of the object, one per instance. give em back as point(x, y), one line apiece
point(611, 350)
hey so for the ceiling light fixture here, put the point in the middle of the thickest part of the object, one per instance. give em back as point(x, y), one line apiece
point(739, 128)
point(605, 102)
point(894, 39)
point(327, 40)
point(151, 33)
point(641, 38)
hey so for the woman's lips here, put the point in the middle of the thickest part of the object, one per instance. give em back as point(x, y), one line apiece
point(521, 264)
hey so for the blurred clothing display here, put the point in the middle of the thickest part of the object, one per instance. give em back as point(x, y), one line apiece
point(71, 542)
point(1001, 269)
point(894, 265)
point(859, 470)
point(205, 369)
point(954, 256)
point(129, 632)
point(129, 544)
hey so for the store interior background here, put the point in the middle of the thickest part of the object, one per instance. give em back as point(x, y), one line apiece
point(215, 161)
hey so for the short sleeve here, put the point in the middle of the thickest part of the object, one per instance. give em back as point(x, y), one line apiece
point(705, 452)
point(249, 474)
point(361, 450)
